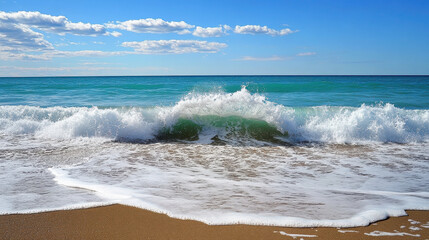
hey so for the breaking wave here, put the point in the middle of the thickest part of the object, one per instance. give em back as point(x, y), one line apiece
point(219, 117)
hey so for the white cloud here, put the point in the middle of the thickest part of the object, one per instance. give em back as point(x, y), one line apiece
point(257, 29)
point(211, 31)
point(18, 36)
point(306, 54)
point(55, 24)
point(33, 19)
point(144, 47)
point(20, 32)
point(81, 28)
point(185, 31)
point(60, 69)
point(249, 58)
point(21, 36)
point(22, 56)
point(174, 46)
point(114, 33)
point(18, 71)
point(85, 53)
point(54, 54)
point(61, 44)
point(150, 25)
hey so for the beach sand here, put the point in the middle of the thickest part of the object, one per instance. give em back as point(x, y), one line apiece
point(124, 222)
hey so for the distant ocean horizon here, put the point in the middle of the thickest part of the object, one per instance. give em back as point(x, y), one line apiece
point(286, 150)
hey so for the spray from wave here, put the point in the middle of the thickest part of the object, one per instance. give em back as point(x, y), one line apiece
point(218, 117)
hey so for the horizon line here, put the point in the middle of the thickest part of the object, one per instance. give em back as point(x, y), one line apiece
point(232, 75)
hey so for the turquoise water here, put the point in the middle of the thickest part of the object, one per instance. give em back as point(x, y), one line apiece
point(411, 92)
point(270, 150)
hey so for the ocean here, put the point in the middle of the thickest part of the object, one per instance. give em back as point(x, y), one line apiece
point(301, 151)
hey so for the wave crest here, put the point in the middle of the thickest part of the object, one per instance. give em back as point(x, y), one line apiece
point(222, 116)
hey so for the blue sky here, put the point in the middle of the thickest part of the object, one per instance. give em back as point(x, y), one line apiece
point(45, 38)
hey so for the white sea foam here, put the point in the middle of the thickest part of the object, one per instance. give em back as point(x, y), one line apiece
point(396, 233)
point(414, 228)
point(168, 179)
point(295, 235)
point(263, 185)
point(414, 222)
point(347, 231)
point(382, 123)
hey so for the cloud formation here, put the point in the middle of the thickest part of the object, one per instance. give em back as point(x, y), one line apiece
point(174, 46)
point(20, 37)
point(114, 34)
point(150, 25)
point(18, 31)
point(211, 31)
point(18, 71)
point(257, 29)
point(55, 24)
point(306, 54)
point(54, 54)
point(144, 47)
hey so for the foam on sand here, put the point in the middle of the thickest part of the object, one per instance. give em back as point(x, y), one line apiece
point(395, 233)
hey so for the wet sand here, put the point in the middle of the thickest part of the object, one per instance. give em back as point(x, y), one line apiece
point(124, 222)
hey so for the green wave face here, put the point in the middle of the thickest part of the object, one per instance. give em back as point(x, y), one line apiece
point(227, 128)
point(184, 129)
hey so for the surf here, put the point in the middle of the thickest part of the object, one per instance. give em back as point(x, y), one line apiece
point(220, 117)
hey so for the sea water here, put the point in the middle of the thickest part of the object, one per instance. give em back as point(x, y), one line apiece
point(270, 150)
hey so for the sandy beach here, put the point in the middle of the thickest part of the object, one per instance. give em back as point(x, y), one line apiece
point(124, 222)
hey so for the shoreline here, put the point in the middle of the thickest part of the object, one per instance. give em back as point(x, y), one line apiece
point(125, 222)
